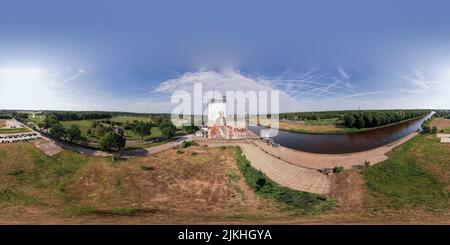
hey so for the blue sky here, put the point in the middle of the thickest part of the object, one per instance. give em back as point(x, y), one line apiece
point(132, 55)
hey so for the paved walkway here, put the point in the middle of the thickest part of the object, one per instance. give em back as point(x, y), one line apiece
point(283, 173)
point(445, 138)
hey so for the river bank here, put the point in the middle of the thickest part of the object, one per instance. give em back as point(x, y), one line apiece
point(341, 130)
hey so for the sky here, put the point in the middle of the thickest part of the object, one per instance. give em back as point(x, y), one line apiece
point(133, 55)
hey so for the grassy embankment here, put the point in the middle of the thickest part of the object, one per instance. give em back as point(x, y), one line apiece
point(415, 176)
point(77, 188)
point(303, 202)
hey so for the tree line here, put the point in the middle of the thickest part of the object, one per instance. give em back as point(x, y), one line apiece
point(72, 116)
point(369, 119)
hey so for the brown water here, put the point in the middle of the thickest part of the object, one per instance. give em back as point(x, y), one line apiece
point(345, 143)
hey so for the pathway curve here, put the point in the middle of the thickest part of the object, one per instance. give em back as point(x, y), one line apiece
point(283, 173)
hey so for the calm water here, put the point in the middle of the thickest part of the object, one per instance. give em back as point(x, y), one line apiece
point(344, 143)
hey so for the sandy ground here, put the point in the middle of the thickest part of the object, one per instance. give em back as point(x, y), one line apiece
point(8, 123)
point(47, 146)
point(309, 128)
point(441, 123)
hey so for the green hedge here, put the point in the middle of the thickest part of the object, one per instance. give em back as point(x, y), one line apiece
point(306, 203)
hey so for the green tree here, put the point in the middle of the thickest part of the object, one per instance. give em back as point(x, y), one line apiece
point(349, 120)
point(112, 142)
point(168, 129)
point(73, 133)
point(142, 129)
point(57, 130)
point(49, 120)
point(100, 130)
point(434, 130)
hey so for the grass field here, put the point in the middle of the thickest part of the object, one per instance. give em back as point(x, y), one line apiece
point(411, 187)
point(86, 124)
point(417, 175)
point(442, 124)
point(83, 124)
point(77, 188)
point(123, 119)
point(38, 118)
point(13, 130)
point(156, 132)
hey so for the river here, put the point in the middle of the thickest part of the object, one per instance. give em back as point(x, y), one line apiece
point(345, 143)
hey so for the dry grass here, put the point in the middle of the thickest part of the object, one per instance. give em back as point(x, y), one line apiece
point(441, 123)
point(309, 128)
point(2, 123)
point(170, 188)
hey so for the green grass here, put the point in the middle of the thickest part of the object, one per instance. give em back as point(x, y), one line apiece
point(328, 121)
point(86, 124)
point(302, 202)
point(38, 118)
point(14, 130)
point(123, 119)
point(446, 130)
point(414, 176)
point(38, 173)
point(83, 124)
point(156, 132)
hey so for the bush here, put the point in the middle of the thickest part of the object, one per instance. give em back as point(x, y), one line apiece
point(434, 130)
point(223, 147)
point(338, 169)
point(147, 168)
point(194, 153)
point(367, 163)
point(16, 172)
point(186, 144)
point(179, 151)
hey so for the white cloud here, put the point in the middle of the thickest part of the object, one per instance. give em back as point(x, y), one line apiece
point(222, 81)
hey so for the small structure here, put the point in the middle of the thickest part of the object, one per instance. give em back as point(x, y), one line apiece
point(222, 126)
point(445, 138)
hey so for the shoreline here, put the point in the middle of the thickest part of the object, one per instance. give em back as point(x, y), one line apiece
point(344, 131)
point(320, 161)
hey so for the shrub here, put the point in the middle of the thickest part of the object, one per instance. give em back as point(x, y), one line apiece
point(179, 151)
point(194, 153)
point(367, 163)
point(16, 172)
point(147, 168)
point(434, 130)
point(338, 169)
point(223, 147)
point(186, 144)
